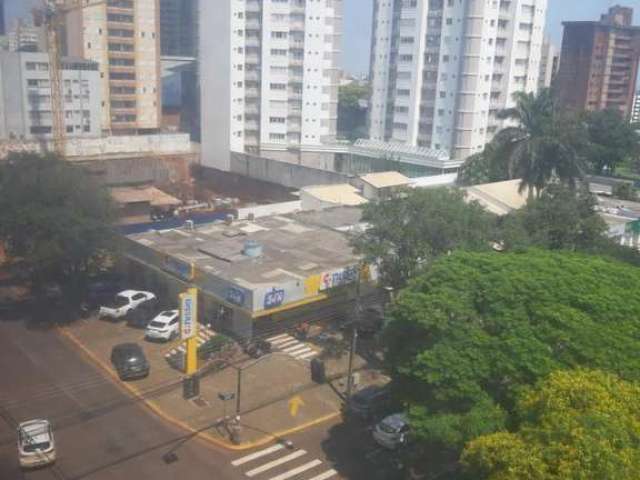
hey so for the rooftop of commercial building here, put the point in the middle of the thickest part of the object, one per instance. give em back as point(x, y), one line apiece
point(147, 194)
point(339, 194)
point(294, 246)
point(386, 179)
point(499, 198)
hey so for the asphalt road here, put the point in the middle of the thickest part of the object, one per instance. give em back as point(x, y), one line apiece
point(103, 434)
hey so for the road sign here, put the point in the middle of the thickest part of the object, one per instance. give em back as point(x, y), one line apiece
point(189, 314)
point(294, 405)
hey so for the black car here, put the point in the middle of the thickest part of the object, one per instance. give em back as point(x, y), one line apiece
point(141, 316)
point(371, 402)
point(129, 361)
point(102, 288)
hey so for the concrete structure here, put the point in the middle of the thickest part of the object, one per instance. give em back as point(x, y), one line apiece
point(136, 203)
point(549, 63)
point(123, 37)
point(599, 63)
point(442, 69)
point(320, 197)
point(25, 37)
point(269, 78)
point(381, 185)
point(499, 198)
point(179, 28)
point(3, 29)
point(25, 89)
point(635, 109)
point(250, 271)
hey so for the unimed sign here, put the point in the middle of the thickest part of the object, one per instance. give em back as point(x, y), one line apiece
point(188, 311)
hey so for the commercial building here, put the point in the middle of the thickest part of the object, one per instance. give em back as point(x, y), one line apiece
point(248, 272)
point(123, 37)
point(269, 75)
point(549, 63)
point(179, 28)
point(599, 63)
point(25, 104)
point(25, 37)
point(442, 69)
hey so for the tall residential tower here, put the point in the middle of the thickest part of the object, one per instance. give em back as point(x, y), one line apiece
point(123, 37)
point(442, 69)
point(269, 77)
point(599, 63)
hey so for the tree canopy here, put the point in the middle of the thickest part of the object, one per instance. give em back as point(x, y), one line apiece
point(53, 216)
point(612, 140)
point(410, 231)
point(466, 336)
point(352, 115)
point(573, 425)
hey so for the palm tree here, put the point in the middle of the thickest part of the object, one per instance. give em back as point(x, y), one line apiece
point(541, 144)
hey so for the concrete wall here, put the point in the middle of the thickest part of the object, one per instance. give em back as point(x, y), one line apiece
point(136, 171)
point(283, 173)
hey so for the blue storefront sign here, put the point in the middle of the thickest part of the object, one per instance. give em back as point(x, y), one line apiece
point(235, 296)
point(273, 298)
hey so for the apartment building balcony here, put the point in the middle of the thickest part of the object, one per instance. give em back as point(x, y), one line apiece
point(125, 40)
point(253, 24)
point(252, 109)
point(122, 83)
point(252, 92)
point(122, 68)
point(252, 42)
point(120, 10)
point(294, 94)
point(251, 75)
point(253, 6)
point(252, 58)
point(117, 125)
point(123, 110)
point(252, 125)
point(296, 61)
point(297, 7)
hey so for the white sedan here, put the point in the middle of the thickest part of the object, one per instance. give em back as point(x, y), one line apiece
point(36, 446)
point(124, 302)
point(165, 326)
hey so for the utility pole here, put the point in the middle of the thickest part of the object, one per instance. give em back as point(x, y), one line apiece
point(354, 337)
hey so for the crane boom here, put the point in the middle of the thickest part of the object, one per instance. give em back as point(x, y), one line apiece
point(54, 12)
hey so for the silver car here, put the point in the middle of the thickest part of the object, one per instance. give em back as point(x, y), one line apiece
point(36, 446)
point(392, 431)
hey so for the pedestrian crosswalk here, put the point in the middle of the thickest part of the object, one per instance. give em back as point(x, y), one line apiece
point(279, 462)
point(175, 356)
point(287, 344)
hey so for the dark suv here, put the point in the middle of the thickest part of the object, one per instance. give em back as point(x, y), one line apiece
point(129, 361)
point(371, 402)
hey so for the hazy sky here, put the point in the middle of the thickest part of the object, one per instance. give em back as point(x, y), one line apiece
point(357, 22)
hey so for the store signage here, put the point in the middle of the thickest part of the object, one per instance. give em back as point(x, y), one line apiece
point(273, 298)
point(339, 277)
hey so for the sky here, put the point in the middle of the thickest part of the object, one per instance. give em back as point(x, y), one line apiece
point(357, 23)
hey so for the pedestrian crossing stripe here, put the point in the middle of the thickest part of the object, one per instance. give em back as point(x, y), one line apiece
point(295, 471)
point(275, 463)
point(272, 339)
point(287, 344)
point(258, 454)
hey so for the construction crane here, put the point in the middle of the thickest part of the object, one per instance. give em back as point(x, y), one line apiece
point(52, 15)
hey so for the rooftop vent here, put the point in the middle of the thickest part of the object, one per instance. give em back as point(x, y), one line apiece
point(252, 249)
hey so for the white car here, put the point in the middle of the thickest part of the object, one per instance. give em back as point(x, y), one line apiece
point(392, 431)
point(124, 302)
point(165, 326)
point(36, 447)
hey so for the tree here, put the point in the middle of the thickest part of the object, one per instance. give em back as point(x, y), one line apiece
point(466, 336)
point(352, 115)
point(544, 144)
point(490, 165)
point(612, 140)
point(575, 424)
point(560, 218)
point(53, 217)
point(410, 231)
point(625, 191)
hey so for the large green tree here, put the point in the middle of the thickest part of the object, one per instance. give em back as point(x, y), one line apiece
point(543, 144)
point(352, 110)
point(573, 425)
point(465, 336)
point(612, 140)
point(54, 218)
point(490, 165)
point(408, 232)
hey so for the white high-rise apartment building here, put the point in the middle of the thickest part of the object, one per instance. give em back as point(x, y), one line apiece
point(269, 76)
point(442, 69)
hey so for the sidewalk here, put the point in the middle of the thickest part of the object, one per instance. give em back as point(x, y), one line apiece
point(277, 395)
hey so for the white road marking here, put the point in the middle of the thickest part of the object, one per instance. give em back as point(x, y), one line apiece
point(291, 349)
point(287, 344)
point(295, 471)
point(282, 341)
point(312, 353)
point(258, 454)
point(325, 475)
point(277, 337)
point(302, 349)
point(275, 463)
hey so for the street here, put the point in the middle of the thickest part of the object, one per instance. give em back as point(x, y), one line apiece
point(103, 433)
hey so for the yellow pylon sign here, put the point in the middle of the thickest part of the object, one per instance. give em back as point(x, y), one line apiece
point(189, 327)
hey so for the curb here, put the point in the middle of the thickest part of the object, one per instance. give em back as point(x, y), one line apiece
point(179, 423)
